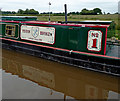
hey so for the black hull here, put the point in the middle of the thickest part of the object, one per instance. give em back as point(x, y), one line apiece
point(98, 64)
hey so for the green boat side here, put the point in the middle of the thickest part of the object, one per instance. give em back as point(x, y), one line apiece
point(67, 37)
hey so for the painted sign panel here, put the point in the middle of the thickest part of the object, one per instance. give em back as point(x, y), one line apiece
point(38, 34)
point(94, 40)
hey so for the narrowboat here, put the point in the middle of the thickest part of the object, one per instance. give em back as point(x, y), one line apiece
point(78, 43)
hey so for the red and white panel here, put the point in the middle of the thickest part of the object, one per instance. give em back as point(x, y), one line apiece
point(94, 40)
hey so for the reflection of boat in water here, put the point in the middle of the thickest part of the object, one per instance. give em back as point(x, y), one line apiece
point(74, 82)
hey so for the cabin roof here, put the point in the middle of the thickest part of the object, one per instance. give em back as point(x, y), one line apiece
point(69, 24)
point(57, 23)
point(89, 22)
point(19, 18)
point(33, 20)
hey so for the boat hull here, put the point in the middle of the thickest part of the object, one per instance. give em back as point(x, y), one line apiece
point(98, 64)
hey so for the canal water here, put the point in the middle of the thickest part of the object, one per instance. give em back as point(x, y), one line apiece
point(28, 77)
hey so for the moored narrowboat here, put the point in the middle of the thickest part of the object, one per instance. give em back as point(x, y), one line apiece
point(78, 43)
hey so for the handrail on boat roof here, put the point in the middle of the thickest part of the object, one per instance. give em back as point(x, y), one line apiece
point(87, 22)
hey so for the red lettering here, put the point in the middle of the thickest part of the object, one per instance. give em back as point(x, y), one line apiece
point(94, 34)
point(25, 31)
point(94, 43)
point(45, 33)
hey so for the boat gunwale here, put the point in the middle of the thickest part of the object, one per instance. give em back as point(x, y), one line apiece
point(61, 49)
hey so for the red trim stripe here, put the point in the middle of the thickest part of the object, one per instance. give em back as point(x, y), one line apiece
point(91, 54)
point(10, 21)
point(105, 42)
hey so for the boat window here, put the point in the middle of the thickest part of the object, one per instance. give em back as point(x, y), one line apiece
point(10, 30)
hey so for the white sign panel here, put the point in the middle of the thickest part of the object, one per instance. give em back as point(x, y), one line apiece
point(94, 40)
point(38, 34)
